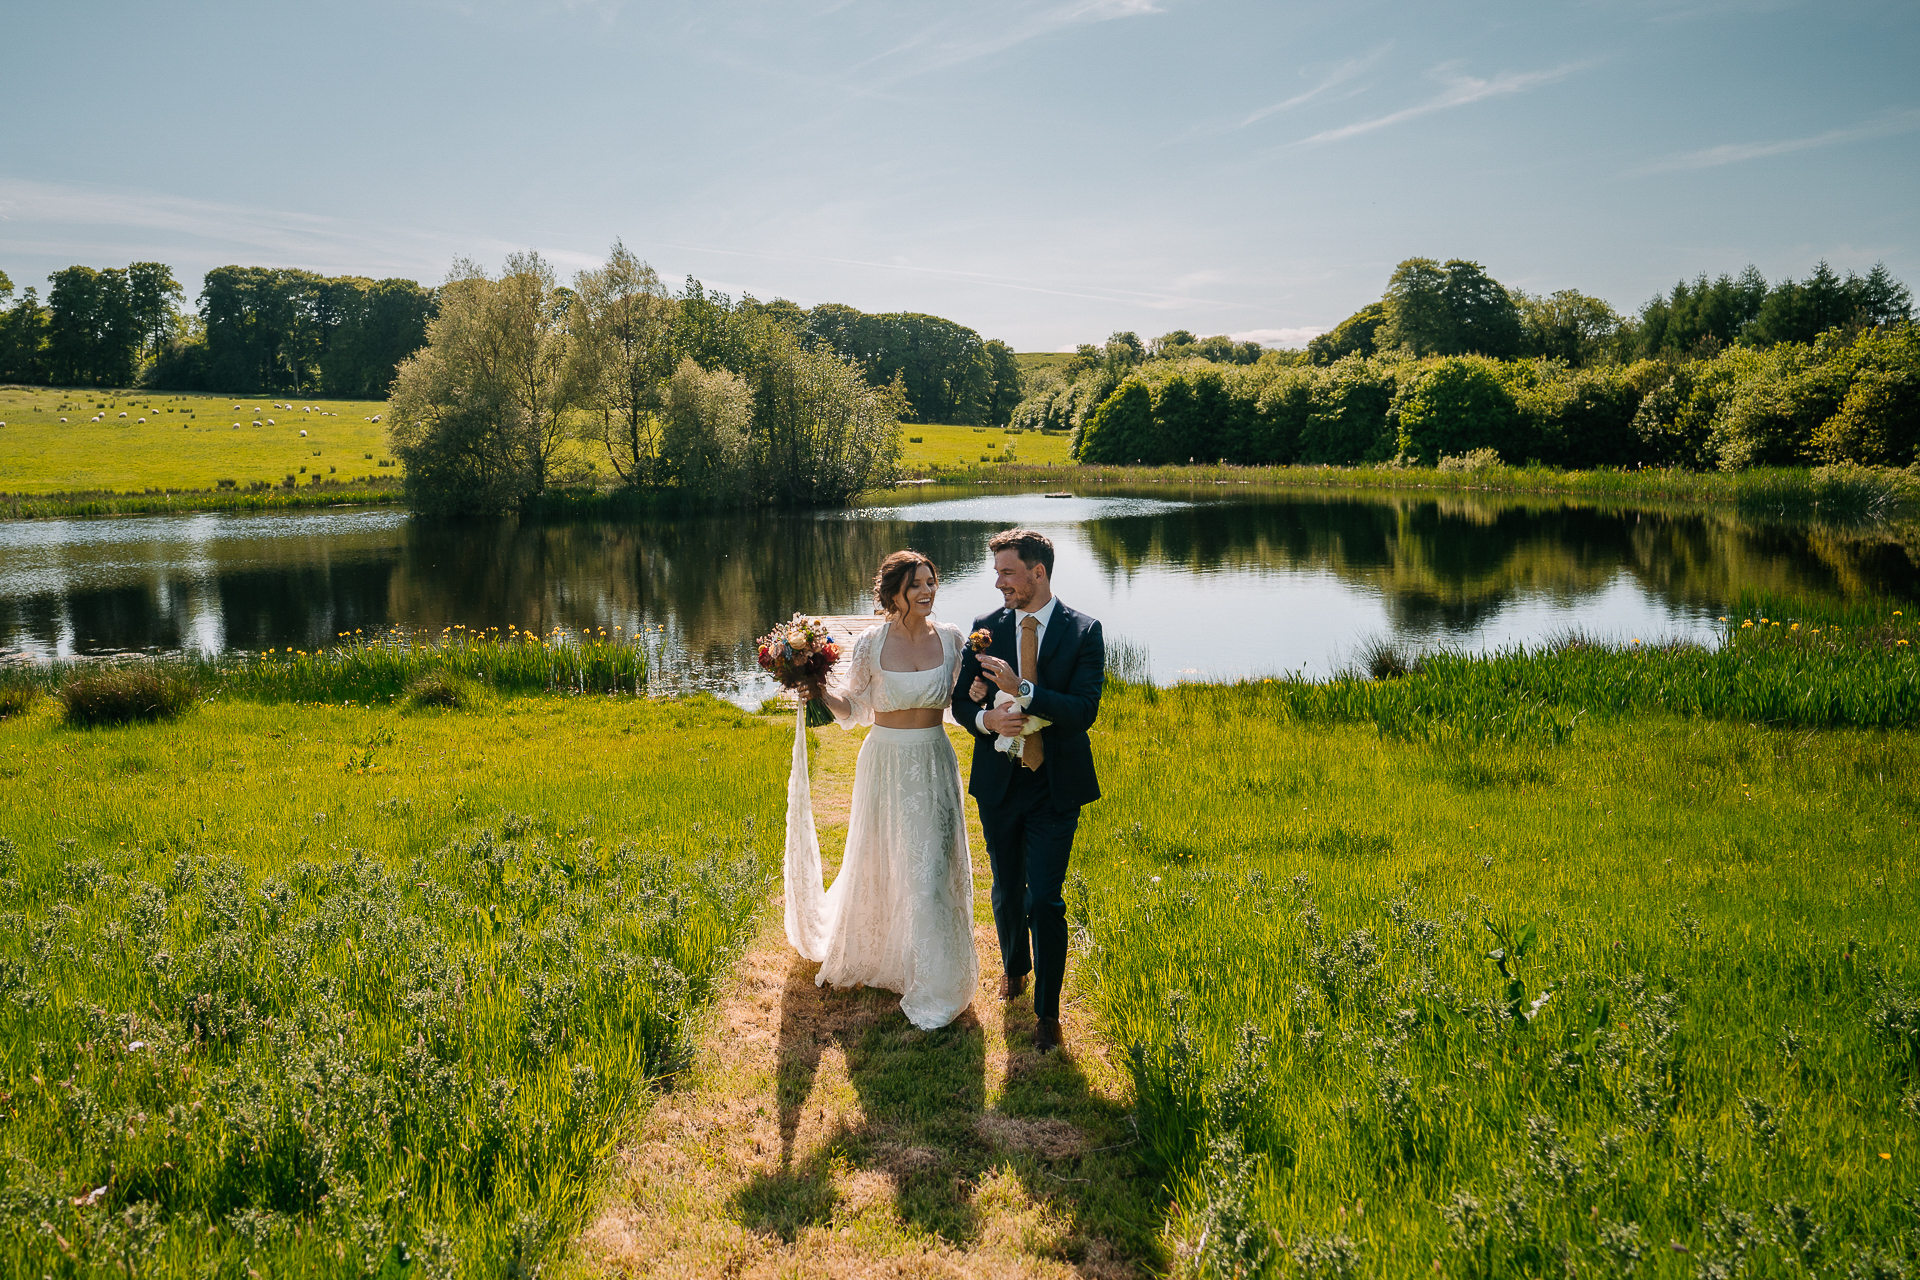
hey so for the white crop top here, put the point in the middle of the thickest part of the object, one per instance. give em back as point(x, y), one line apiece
point(868, 688)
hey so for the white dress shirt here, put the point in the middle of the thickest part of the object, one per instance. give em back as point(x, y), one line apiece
point(1045, 615)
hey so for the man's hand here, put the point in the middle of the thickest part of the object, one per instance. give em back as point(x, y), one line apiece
point(1007, 720)
point(997, 670)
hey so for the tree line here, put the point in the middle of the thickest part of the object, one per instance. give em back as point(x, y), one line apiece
point(524, 386)
point(1450, 363)
point(283, 331)
point(255, 329)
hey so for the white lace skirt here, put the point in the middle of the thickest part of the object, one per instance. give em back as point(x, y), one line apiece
point(900, 913)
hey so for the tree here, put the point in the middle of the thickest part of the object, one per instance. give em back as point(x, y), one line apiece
point(92, 339)
point(1702, 317)
point(264, 330)
point(1008, 384)
point(23, 340)
point(1570, 326)
point(478, 415)
point(1124, 350)
point(944, 366)
point(1457, 407)
point(528, 319)
point(823, 433)
point(1485, 320)
point(1164, 346)
point(366, 328)
point(621, 327)
point(1353, 336)
point(708, 433)
point(154, 299)
point(6, 286)
point(1417, 317)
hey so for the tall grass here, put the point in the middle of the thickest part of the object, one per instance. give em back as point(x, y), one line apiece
point(23, 506)
point(383, 667)
point(1771, 671)
point(1845, 495)
point(1643, 1003)
point(300, 991)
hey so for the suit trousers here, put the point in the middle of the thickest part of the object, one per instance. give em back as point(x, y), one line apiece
point(1029, 840)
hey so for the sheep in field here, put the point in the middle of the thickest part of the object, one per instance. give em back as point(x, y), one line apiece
point(303, 435)
point(123, 415)
point(269, 421)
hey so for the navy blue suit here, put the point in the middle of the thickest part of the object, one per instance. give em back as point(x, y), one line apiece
point(1029, 816)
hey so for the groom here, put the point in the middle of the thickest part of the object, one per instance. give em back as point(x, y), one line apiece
point(1030, 805)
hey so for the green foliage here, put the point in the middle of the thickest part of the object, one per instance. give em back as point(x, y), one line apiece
point(1636, 1002)
point(123, 695)
point(1009, 385)
point(271, 1048)
point(947, 371)
point(1572, 328)
point(1458, 405)
point(1349, 413)
point(1354, 336)
point(285, 331)
point(1450, 309)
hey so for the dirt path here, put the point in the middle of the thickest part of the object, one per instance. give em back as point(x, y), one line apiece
point(820, 1134)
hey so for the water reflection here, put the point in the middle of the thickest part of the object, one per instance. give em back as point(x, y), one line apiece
point(1215, 584)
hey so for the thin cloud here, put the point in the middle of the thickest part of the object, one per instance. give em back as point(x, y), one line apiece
point(1460, 91)
point(959, 40)
point(1285, 339)
point(237, 232)
point(1737, 152)
point(1337, 77)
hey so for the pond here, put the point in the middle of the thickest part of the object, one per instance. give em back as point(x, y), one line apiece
point(1210, 582)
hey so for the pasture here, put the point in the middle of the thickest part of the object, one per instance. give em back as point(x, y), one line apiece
point(187, 441)
point(944, 447)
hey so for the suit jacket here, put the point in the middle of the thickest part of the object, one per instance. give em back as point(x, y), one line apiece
point(1070, 672)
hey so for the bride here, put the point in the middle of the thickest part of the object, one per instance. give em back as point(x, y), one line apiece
point(900, 913)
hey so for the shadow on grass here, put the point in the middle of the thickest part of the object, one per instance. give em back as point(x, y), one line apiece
point(925, 1127)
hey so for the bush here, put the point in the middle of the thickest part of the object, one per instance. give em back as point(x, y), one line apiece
point(1458, 406)
point(16, 699)
point(1351, 417)
point(123, 695)
point(440, 689)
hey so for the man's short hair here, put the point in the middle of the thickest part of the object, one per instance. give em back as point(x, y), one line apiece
point(1033, 548)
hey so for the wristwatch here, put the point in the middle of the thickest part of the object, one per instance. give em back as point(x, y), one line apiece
point(1026, 688)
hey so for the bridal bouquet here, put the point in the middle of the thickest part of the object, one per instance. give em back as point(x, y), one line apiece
point(799, 654)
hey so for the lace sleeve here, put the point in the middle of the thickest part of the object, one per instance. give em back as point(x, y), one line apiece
point(853, 677)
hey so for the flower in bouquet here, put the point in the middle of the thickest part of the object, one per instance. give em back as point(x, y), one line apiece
point(981, 640)
point(799, 654)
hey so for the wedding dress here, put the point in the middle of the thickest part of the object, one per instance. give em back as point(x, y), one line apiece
point(900, 913)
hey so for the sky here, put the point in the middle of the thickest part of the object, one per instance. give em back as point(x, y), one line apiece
point(1045, 171)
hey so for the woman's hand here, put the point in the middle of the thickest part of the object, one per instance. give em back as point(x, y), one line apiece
point(977, 691)
point(997, 670)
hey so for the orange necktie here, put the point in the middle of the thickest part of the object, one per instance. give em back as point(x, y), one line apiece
point(1032, 752)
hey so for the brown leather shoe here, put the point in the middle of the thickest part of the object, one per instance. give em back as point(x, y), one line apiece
point(1012, 984)
point(1046, 1035)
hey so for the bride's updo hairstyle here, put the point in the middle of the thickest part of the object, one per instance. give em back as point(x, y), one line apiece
point(897, 573)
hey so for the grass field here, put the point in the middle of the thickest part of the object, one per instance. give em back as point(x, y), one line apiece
point(1632, 999)
point(1562, 962)
point(336, 991)
point(938, 447)
point(185, 442)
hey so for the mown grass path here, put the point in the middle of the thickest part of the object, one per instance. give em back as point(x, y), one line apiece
point(819, 1134)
